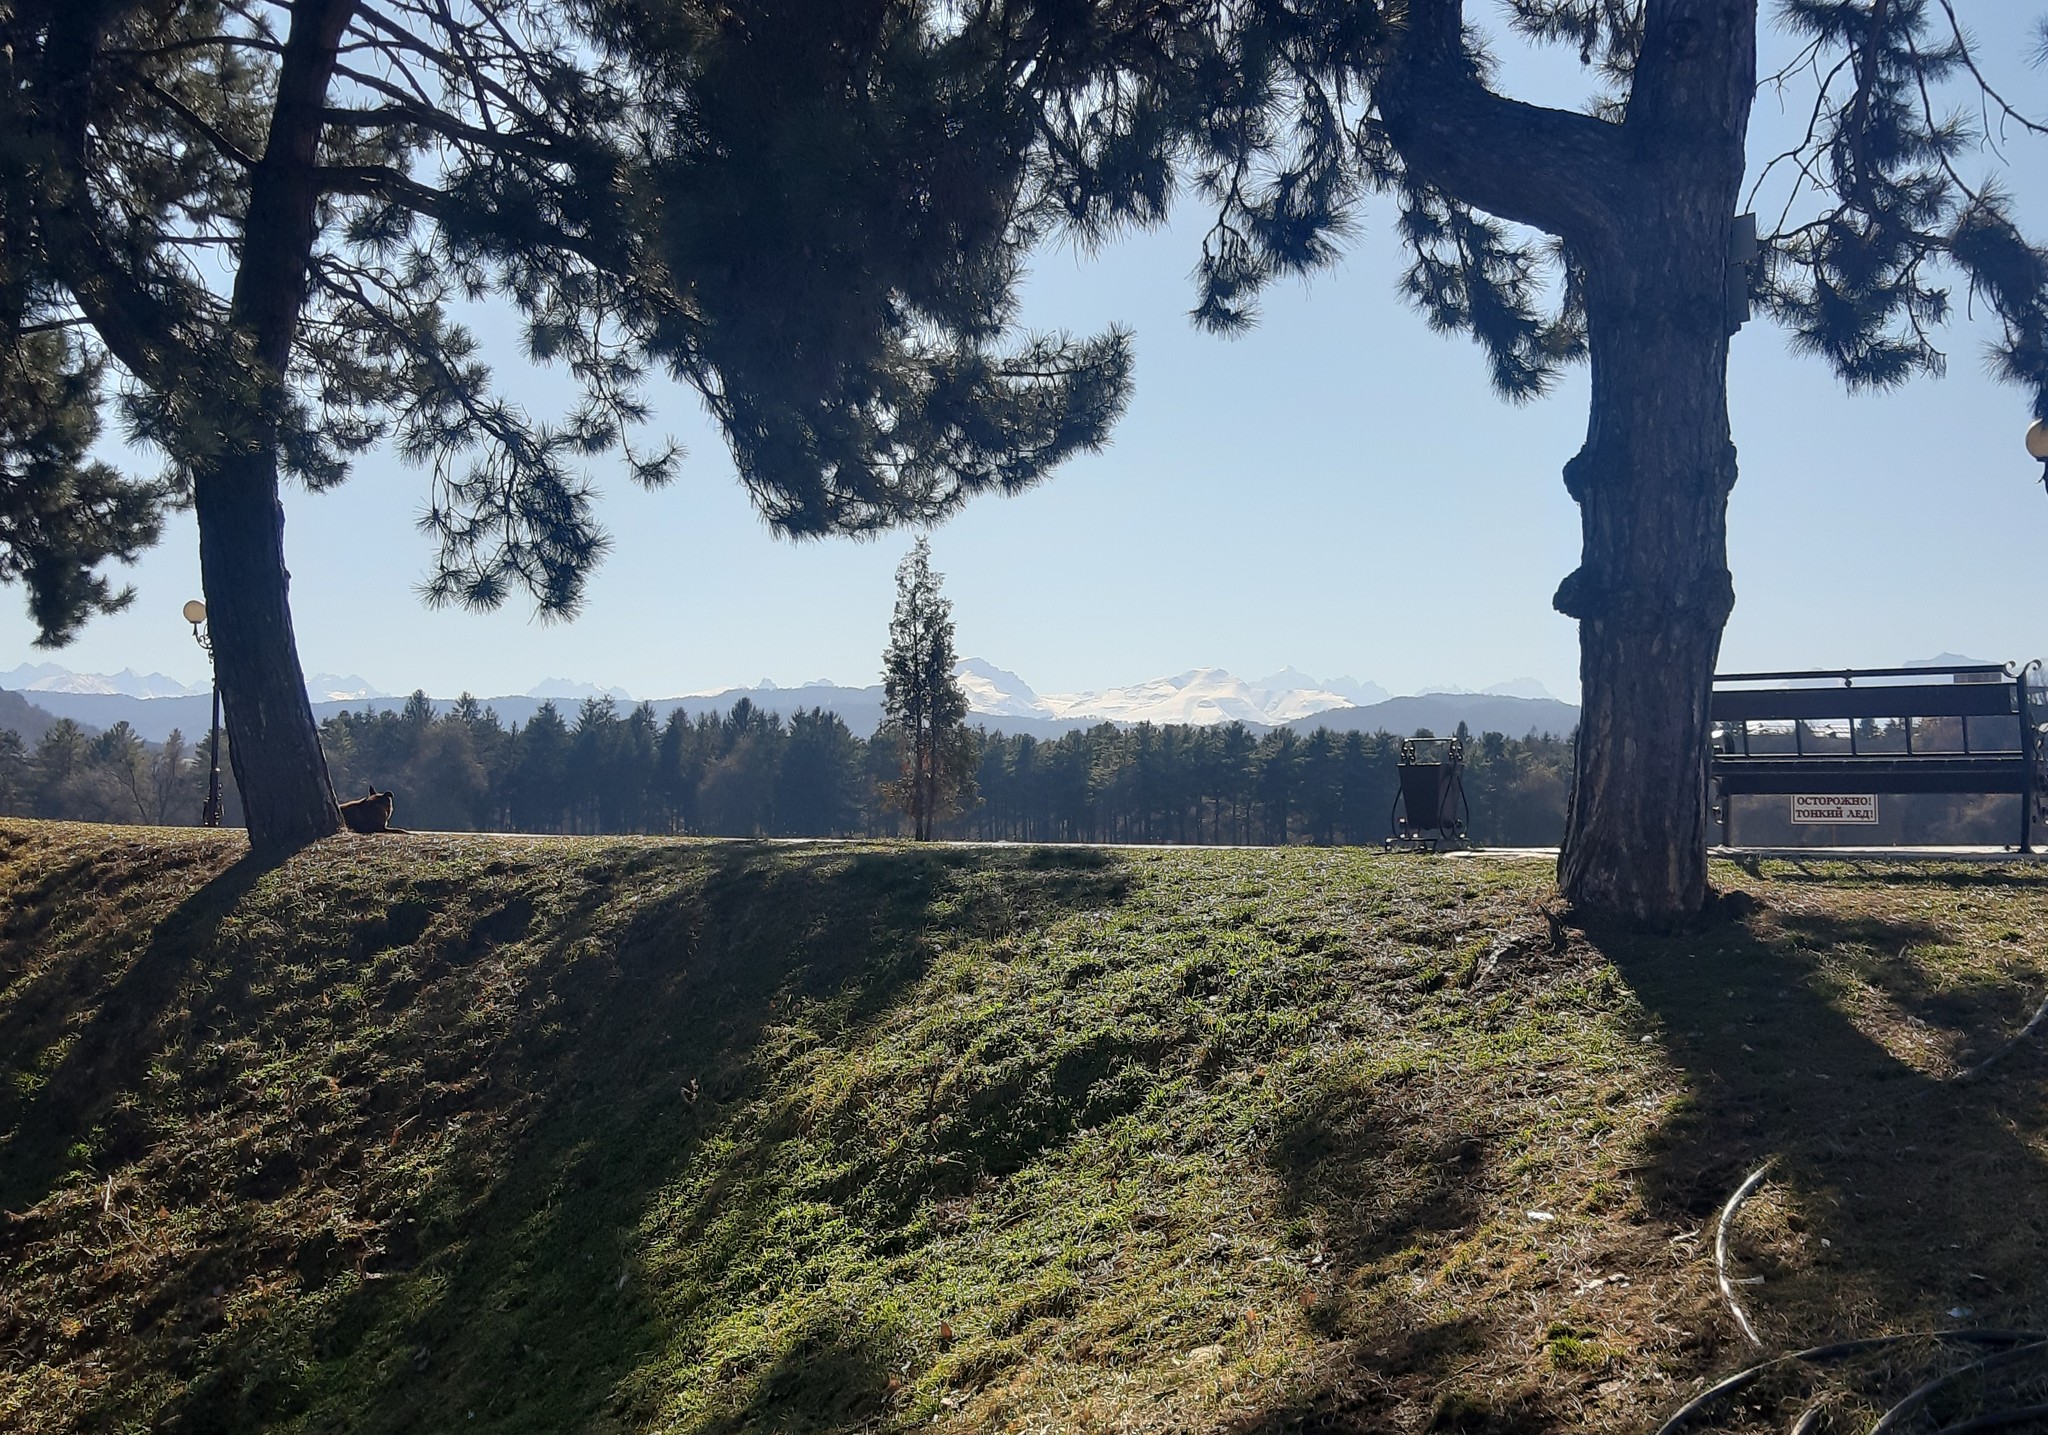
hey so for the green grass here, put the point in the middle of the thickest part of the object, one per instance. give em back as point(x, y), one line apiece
point(558, 1134)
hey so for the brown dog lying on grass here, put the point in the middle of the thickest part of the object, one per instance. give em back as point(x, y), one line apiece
point(369, 815)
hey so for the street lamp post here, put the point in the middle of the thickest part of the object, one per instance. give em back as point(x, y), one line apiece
point(209, 814)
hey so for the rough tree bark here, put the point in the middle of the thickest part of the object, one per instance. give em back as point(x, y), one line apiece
point(274, 743)
point(1646, 208)
point(228, 389)
point(1652, 591)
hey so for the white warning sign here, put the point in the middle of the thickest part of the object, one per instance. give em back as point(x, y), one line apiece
point(1860, 807)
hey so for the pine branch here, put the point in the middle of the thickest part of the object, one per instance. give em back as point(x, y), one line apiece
point(1969, 60)
point(1561, 172)
point(199, 122)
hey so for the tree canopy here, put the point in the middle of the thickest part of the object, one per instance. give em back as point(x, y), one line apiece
point(62, 512)
point(805, 220)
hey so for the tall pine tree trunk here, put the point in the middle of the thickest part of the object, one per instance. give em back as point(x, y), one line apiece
point(279, 767)
point(280, 770)
point(1646, 207)
point(927, 779)
point(1653, 590)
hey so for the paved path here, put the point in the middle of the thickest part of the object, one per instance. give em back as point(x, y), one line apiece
point(1791, 854)
point(1984, 855)
point(1881, 854)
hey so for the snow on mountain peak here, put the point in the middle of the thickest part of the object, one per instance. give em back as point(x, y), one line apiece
point(1199, 695)
point(50, 678)
point(1358, 694)
point(992, 691)
point(331, 688)
point(1288, 680)
point(1195, 696)
point(570, 688)
point(1519, 688)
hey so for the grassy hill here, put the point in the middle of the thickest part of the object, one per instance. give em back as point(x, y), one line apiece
point(426, 1134)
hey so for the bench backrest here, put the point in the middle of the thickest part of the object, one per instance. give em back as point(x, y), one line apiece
point(2016, 762)
point(1962, 690)
point(1896, 700)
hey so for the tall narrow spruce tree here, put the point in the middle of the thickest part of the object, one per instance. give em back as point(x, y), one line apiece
point(926, 709)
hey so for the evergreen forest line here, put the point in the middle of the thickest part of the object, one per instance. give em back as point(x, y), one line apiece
point(747, 773)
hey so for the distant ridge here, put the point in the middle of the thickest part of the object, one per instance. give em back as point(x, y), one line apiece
point(49, 677)
point(1442, 712)
point(998, 699)
point(859, 708)
point(19, 715)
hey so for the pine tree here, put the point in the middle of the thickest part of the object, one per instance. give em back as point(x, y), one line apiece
point(923, 700)
point(264, 213)
point(817, 788)
point(261, 212)
point(1610, 234)
point(63, 514)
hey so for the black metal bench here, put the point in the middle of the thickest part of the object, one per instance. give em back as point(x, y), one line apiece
point(1430, 811)
point(2004, 754)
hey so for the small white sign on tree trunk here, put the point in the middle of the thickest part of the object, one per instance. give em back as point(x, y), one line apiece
point(1834, 807)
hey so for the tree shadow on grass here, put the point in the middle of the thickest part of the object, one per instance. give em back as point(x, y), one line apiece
point(829, 1380)
point(1373, 1165)
point(110, 1053)
point(1821, 870)
point(516, 1298)
point(1931, 1200)
point(1973, 1009)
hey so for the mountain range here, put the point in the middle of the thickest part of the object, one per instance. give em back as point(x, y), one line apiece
point(33, 695)
point(153, 704)
point(49, 678)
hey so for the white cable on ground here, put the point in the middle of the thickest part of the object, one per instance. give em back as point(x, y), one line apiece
point(2040, 1015)
point(1897, 1416)
point(1742, 1193)
point(1730, 1384)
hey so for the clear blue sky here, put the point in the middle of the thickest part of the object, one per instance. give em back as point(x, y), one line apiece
point(1337, 491)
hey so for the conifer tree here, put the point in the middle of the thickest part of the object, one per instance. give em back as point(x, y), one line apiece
point(925, 706)
point(263, 214)
point(1609, 234)
point(63, 513)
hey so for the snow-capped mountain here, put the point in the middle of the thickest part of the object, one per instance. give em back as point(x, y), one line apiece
point(1946, 660)
point(996, 693)
point(1512, 688)
point(569, 688)
point(1291, 693)
point(49, 678)
point(329, 688)
point(1200, 695)
point(1351, 690)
